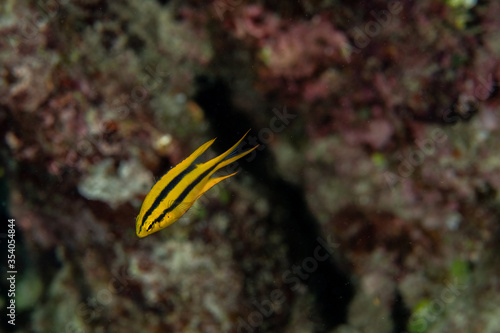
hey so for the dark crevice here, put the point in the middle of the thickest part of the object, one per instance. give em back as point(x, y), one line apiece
point(330, 286)
point(400, 314)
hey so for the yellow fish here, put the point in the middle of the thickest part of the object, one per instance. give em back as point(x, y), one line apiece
point(181, 186)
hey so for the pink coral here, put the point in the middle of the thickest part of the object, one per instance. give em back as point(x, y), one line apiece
point(290, 50)
point(304, 48)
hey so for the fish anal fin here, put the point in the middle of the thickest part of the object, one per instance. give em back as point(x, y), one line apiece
point(213, 181)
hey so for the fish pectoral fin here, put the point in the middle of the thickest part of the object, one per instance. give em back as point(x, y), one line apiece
point(213, 181)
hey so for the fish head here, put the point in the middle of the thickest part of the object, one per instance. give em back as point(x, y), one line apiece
point(154, 222)
point(150, 226)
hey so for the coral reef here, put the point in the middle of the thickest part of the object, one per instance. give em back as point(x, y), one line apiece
point(377, 170)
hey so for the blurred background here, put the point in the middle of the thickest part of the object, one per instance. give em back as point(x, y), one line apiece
point(371, 204)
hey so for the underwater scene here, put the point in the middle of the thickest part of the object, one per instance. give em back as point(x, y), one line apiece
point(248, 166)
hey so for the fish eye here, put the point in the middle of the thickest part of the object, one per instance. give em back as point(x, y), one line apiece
point(151, 227)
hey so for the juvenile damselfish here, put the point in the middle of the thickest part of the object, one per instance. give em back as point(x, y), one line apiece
point(181, 186)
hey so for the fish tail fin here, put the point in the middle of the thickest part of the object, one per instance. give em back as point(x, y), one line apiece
point(231, 155)
point(213, 181)
point(231, 159)
point(232, 149)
